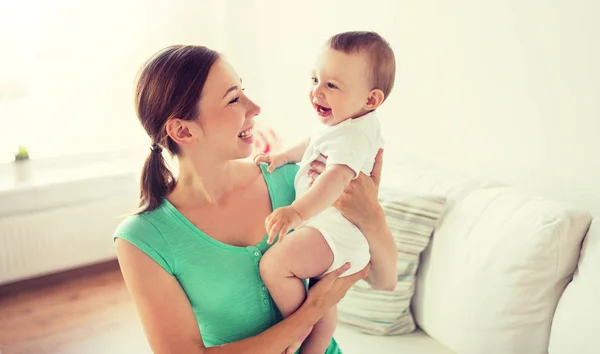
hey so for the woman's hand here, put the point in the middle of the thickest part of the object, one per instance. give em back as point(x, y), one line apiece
point(359, 203)
point(328, 291)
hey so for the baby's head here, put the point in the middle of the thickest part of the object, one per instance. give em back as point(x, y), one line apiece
point(353, 75)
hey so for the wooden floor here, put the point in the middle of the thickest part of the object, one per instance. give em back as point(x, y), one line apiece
point(80, 312)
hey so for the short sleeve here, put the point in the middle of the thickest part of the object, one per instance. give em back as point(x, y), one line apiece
point(352, 149)
point(141, 233)
point(290, 171)
point(281, 184)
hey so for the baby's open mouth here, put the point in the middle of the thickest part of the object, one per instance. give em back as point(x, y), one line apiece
point(322, 111)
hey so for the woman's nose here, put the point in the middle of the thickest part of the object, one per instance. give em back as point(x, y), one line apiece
point(253, 109)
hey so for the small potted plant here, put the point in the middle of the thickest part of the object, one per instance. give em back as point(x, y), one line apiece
point(22, 167)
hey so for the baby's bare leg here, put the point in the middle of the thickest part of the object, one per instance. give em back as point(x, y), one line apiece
point(320, 337)
point(303, 254)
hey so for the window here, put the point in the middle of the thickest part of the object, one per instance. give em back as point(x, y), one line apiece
point(67, 68)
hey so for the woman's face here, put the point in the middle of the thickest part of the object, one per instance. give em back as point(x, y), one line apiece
point(226, 114)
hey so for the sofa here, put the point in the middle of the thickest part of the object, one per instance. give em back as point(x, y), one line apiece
point(506, 271)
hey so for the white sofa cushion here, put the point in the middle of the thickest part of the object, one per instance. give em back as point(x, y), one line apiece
point(422, 177)
point(576, 323)
point(495, 269)
point(354, 342)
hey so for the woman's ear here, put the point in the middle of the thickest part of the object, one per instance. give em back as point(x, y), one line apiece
point(180, 131)
point(374, 100)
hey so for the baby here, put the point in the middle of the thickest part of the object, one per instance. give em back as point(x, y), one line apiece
point(353, 76)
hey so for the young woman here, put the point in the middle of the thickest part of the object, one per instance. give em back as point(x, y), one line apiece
point(190, 256)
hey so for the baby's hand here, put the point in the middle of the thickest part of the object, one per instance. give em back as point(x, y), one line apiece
point(280, 222)
point(274, 160)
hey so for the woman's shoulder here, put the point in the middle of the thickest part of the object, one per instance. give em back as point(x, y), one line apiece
point(133, 225)
point(281, 183)
point(289, 171)
point(145, 232)
point(283, 175)
point(141, 224)
point(154, 227)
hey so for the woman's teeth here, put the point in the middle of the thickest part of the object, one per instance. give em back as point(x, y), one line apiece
point(246, 133)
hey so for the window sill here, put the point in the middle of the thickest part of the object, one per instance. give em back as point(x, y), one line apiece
point(64, 181)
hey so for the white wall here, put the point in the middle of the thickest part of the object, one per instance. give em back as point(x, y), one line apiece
point(504, 88)
point(501, 88)
point(79, 60)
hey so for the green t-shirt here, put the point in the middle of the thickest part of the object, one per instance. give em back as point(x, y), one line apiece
point(222, 282)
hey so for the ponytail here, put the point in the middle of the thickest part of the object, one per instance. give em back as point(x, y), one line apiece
point(157, 180)
point(169, 85)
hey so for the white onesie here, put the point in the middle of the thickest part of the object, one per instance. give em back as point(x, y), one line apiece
point(354, 143)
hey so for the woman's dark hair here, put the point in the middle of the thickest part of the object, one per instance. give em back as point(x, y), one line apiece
point(168, 86)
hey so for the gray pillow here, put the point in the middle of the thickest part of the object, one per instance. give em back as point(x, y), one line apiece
point(412, 220)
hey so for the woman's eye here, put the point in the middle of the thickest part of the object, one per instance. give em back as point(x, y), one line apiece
point(330, 85)
point(314, 80)
point(237, 98)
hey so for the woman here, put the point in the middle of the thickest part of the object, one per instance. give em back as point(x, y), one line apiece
point(197, 293)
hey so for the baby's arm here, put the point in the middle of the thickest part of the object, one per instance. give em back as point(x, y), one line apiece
point(346, 153)
point(324, 192)
point(291, 155)
point(295, 153)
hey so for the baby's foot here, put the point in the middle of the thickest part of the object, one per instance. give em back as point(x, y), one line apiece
point(296, 344)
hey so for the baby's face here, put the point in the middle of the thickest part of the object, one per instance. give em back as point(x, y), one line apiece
point(340, 86)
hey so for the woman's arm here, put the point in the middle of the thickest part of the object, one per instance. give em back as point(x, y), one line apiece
point(171, 326)
point(384, 254)
point(359, 203)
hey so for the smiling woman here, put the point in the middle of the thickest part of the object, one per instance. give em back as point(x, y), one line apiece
point(167, 121)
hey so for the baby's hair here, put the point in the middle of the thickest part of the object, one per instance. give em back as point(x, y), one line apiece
point(382, 62)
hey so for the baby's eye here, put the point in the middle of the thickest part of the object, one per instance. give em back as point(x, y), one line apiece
point(314, 80)
point(332, 86)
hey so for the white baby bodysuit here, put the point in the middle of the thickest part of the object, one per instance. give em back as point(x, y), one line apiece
point(354, 143)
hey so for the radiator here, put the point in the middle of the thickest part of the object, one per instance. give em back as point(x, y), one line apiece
point(65, 231)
